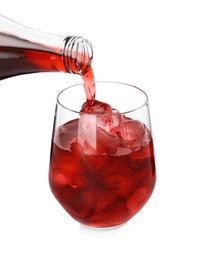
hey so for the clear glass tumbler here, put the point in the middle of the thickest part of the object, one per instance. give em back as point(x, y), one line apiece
point(102, 167)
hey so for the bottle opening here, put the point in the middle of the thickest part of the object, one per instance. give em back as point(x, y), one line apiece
point(78, 54)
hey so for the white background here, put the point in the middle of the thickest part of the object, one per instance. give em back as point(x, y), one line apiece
point(156, 45)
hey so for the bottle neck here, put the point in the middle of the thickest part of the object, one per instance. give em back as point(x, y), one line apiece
point(70, 54)
point(77, 54)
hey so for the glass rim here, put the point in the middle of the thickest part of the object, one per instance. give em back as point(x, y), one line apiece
point(103, 82)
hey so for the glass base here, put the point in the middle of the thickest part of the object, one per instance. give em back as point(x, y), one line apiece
point(102, 228)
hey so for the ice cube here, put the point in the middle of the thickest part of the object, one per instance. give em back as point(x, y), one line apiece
point(134, 134)
point(104, 196)
point(66, 134)
point(146, 152)
point(67, 168)
point(116, 118)
point(95, 164)
point(114, 214)
point(96, 141)
point(96, 107)
point(122, 150)
point(101, 111)
point(79, 203)
point(117, 178)
point(137, 200)
point(132, 130)
point(75, 180)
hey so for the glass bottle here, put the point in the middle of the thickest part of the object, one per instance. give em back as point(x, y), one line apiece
point(24, 50)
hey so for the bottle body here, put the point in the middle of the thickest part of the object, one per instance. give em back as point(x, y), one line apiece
point(24, 50)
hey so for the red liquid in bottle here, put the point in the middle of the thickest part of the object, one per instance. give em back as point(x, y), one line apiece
point(15, 60)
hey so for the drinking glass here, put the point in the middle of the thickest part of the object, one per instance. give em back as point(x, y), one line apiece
point(102, 167)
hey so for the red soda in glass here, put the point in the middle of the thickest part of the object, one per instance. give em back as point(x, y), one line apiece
point(102, 168)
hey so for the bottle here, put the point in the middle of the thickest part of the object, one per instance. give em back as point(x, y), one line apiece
point(24, 50)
